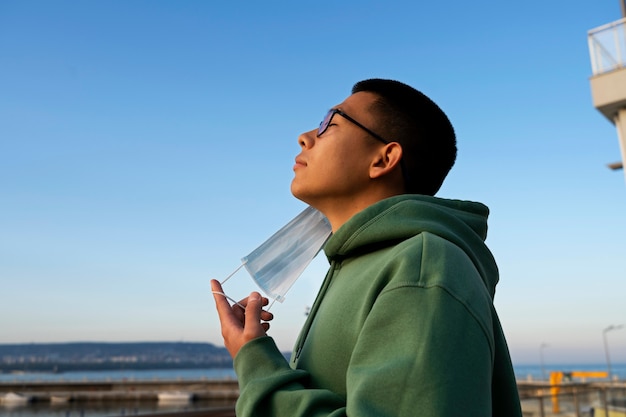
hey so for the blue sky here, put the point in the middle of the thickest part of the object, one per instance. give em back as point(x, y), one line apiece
point(146, 146)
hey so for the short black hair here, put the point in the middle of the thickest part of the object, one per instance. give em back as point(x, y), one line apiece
point(409, 117)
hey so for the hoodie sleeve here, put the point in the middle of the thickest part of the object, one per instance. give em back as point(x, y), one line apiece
point(270, 387)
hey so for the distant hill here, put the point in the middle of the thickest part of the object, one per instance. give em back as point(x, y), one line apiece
point(62, 357)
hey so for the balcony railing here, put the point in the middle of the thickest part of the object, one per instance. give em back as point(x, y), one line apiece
point(607, 47)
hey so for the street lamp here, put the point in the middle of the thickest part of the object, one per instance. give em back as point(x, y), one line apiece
point(543, 370)
point(606, 346)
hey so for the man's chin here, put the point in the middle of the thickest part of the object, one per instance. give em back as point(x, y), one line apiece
point(300, 194)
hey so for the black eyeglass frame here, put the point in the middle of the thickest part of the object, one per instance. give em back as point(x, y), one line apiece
point(329, 117)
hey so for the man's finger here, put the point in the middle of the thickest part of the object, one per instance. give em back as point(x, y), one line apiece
point(217, 290)
point(224, 310)
point(253, 310)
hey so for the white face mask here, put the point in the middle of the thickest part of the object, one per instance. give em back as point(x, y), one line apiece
point(278, 262)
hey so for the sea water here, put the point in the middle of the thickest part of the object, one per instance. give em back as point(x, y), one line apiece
point(121, 375)
point(522, 372)
point(538, 372)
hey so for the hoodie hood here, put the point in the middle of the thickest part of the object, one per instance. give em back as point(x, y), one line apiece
point(398, 218)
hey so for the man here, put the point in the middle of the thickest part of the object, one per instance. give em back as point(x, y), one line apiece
point(404, 323)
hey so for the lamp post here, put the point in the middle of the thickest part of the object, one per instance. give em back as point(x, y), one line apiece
point(606, 346)
point(543, 370)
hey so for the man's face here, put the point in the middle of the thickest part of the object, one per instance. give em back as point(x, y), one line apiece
point(334, 167)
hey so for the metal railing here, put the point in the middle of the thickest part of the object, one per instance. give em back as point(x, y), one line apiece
point(607, 47)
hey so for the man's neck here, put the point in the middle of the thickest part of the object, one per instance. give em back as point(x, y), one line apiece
point(339, 212)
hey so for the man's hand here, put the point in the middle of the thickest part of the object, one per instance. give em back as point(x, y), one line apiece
point(239, 326)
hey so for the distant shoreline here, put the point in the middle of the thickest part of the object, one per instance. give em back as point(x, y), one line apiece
point(59, 368)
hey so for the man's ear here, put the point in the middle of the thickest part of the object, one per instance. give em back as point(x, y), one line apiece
point(386, 161)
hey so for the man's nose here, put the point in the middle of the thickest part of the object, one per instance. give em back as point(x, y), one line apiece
point(307, 139)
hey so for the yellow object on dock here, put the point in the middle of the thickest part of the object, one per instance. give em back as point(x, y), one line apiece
point(556, 379)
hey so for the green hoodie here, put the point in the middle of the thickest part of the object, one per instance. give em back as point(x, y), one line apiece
point(403, 325)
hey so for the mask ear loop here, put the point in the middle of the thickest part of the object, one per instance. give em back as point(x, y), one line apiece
point(233, 273)
point(229, 298)
point(232, 299)
point(225, 296)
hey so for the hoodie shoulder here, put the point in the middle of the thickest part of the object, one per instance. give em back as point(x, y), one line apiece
point(397, 219)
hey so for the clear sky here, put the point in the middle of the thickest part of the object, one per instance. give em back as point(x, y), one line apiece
point(146, 146)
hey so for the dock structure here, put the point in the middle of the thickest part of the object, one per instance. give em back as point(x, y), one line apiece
point(158, 390)
point(211, 398)
point(570, 398)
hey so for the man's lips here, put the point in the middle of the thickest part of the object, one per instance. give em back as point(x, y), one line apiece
point(299, 163)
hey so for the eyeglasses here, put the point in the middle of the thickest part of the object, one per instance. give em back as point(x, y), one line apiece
point(329, 117)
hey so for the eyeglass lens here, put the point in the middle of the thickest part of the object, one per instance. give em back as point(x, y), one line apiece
point(325, 122)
